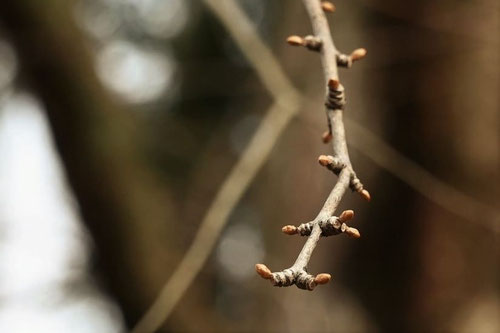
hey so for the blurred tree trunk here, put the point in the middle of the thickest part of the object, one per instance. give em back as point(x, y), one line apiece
point(123, 207)
point(426, 275)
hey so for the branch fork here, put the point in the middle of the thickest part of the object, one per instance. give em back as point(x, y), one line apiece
point(297, 274)
point(330, 227)
point(290, 276)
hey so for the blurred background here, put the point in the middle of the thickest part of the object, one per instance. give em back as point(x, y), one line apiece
point(120, 119)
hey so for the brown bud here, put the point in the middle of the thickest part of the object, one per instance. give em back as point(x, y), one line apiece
point(346, 215)
point(328, 6)
point(295, 40)
point(322, 278)
point(358, 54)
point(365, 195)
point(333, 84)
point(263, 271)
point(289, 229)
point(352, 232)
point(325, 160)
point(326, 137)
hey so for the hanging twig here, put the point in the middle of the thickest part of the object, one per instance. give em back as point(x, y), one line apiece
point(325, 224)
point(288, 102)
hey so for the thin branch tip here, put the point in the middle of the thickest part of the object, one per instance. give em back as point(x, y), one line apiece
point(312, 43)
point(334, 164)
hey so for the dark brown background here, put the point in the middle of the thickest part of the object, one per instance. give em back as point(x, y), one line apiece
point(144, 174)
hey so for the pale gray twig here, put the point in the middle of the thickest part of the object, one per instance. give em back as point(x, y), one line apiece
point(339, 163)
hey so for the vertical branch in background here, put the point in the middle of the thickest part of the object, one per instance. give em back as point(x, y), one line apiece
point(287, 102)
point(325, 224)
point(118, 195)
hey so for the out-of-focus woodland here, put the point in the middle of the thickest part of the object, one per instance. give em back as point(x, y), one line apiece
point(132, 113)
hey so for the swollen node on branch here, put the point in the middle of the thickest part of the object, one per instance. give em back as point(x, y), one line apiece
point(330, 227)
point(312, 43)
point(333, 164)
point(344, 60)
point(335, 99)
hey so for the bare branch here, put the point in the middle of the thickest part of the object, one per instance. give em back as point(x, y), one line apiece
point(290, 101)
point(325, 224)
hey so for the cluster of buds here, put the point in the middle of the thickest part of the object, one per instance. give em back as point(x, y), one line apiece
point(289, 276)
point(312, 43)
point(332, 226)
point(334, 164)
